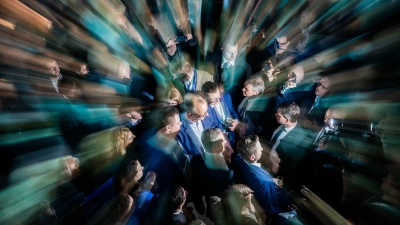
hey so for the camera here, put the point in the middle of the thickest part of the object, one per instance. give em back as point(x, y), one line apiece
point(359, 128)
point(181, 39)
point(266, 67)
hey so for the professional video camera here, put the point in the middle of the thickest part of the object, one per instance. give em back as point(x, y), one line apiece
point(359, 128)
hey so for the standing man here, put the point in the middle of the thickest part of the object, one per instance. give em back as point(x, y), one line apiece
point(196, 118)
point(290, 141)
point(54, 72)
point(223, 107)
point(191, 79)
point(230, 70)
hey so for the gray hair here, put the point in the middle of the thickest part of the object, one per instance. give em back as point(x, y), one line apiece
point(191, 101)
point(209, 136)
point(257, 83)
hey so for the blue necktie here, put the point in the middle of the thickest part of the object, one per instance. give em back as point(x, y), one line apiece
point(315, 105)
point(274, 138)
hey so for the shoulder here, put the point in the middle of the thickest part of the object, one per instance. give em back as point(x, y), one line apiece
point(204, 74)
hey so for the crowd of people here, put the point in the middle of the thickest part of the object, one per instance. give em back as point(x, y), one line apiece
point(199, 112)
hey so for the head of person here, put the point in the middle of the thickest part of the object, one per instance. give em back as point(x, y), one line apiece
point(273, 162)
point(69, 87)
point(211, 92)
point(124, 71)
point(47, 214)
point(169, 120)
point(298, 71)
point(70, 166)
point(83, 70)
point(388, 127)
point(52, 67)
point(171, 49)
point(127, 176)
point(122, 137)
point(249, 147)
point(324, 86)
point(195, 106)
point(183, 71)
point(287, 113)
point(235, 198)
point(230, 51)
point(213, 140)
point(177, 197)
point(281, 43)
point(175, 96)
point(119, 208)
point(334, 112)
point(253, 86)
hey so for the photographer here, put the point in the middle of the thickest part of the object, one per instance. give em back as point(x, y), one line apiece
point(174, 49)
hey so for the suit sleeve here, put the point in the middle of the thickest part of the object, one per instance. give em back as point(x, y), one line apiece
point(268, 198)
point(232, 111)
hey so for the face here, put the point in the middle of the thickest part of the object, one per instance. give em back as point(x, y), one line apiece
point(248, 90)
point(279, 117)
point(322, 87)
point(134, 115)
point(53, 68)
point(175, 125)
point(281, 44)
point(124, 71)
point(130, 138)
point(171, 49)
point(230, 52)
point(84, 70)
point(387, 129)
point(200, 114)
point(258, 152)
point(220, 144)
point(213, 98)
point(140, 172)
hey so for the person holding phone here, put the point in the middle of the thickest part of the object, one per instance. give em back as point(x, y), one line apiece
point(175, 47)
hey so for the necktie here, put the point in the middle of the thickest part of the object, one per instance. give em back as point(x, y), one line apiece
point(274, 138)
point(225, 72)
point(316, 103)
point(243, 109)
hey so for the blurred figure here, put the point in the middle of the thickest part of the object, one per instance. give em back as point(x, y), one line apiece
point(230, 70)
point(122, 137)
point(211, 172)
point(191, 79)
point(127, 177)
point(235, 206)
point(291, 143)
point(252, 109)
point(250, 173)
point(53, 70)
point(47, 214)
point(222, 103)
point(173, 51)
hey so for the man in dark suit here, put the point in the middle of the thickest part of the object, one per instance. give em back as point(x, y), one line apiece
point(196, 118)
point(253, 109)
point(223, 107)
point(249, 172)
point(290, 141)
point(211, 174)
point(230, 70)
point(162, 153)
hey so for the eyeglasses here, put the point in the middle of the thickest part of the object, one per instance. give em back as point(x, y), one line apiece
point(280, 43)
point(200, 116)
point(323, 87)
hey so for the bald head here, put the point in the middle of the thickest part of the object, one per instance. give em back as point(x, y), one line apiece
point(334, 112)
point(195, 107)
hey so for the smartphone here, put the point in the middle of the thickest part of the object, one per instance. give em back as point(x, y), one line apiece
point(181, 39)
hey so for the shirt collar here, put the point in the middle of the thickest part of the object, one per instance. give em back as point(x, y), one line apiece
point(288, 129)
point(254, 164)
point(232, 63)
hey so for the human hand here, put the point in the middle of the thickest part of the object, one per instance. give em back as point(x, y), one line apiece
point(232, 126)
point(189, 36)
point(172, 41)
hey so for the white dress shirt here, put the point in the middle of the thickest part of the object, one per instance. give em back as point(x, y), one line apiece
point(283, 134)
point(231, 63)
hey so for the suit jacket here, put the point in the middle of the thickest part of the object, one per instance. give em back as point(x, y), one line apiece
point(293, 152)
point(255, 117)
point(238, 75)
point(210, 180)
point(202, 77)
point(188, 138)
point(260, 181)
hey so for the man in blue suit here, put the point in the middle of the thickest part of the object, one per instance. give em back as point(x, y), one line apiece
point(250, 173)
point(223, 108)
point(196, 118)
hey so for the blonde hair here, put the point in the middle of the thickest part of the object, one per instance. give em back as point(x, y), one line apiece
point(182, 67)
point(121, 138)
point(175, 95)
